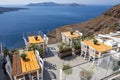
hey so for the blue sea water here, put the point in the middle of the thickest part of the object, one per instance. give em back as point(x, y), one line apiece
point(44, 18)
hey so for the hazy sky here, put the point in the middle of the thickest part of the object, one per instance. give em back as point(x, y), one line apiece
point(100, 2)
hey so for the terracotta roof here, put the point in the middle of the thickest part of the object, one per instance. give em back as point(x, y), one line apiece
point(16, 66)
point(74, 35)
point(23, 67)
point(100, 47)
point(32, 39)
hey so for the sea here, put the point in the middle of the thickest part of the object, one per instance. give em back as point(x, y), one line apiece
point(13, 25)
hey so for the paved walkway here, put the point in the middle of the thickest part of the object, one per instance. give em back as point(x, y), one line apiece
point(54, 63)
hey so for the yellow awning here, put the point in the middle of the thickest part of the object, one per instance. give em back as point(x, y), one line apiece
point(71, 36)
point(32, 40)
point(100, 47)
point(31, 64)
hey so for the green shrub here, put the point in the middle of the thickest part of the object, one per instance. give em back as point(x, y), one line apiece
point(67, 69)
point(95, 41)
point(36, 37)
point(23, 56)
point(71, 33)
point(64, 48)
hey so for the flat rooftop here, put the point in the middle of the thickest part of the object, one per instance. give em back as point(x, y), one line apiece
point(100, 47)
point(32, 39)
point(21, 67)
point(74, 35)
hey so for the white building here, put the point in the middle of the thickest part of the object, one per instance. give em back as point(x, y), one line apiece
point(93, 51)
point(37, 40)
point(67, 37)
point(113, 40)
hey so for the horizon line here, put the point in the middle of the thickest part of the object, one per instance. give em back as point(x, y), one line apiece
point(58, 3)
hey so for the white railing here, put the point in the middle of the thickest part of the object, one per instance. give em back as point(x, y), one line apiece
point(45, 39)
point(40, 61)
point(26, 43)
point(8, 67)
point(78, 32)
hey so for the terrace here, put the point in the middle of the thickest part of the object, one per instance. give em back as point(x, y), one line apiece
point(26, 69)
point(67, 37)
point(107, 65)
point(37, 40)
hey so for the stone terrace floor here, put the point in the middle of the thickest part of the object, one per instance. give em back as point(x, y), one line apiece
point(53, 63)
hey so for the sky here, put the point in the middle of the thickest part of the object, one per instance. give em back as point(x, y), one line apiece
point(90, 2)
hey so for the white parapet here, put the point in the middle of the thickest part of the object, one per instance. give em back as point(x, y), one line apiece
point(45, 39)
point(60, 74)
point(78, 32)
point(40, 61)
point(8, 68)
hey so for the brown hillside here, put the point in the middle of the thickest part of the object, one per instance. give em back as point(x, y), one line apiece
point(109, 21)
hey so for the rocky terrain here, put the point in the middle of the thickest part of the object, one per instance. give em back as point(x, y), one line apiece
point(107, 22)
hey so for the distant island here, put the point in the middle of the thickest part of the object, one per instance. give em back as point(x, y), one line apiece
point(54, 4)
point(7, 9)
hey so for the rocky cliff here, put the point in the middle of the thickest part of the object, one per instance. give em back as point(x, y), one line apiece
point(107, 22)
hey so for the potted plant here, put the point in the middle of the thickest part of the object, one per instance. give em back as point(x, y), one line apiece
point(67, 69)
point(36, 37)
point(95, 41)
point(77, 49)
point(71, 32)
point(85, 75)
point(64, 50)
point(23, 56)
